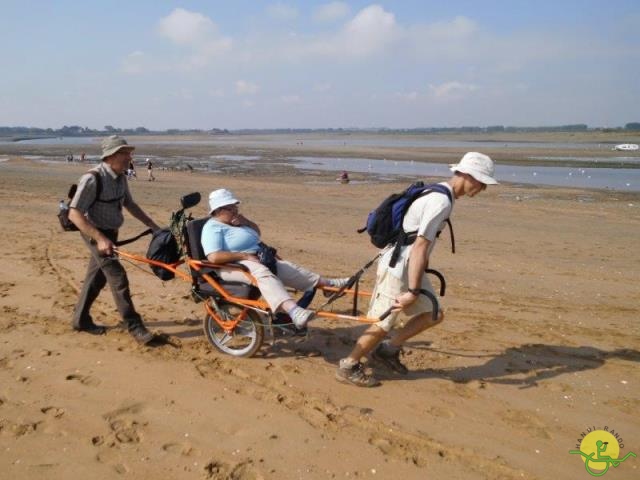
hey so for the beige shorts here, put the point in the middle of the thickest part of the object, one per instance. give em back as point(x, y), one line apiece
point(387, 288)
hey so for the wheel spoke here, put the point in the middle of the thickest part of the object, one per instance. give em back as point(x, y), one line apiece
point(243, 340)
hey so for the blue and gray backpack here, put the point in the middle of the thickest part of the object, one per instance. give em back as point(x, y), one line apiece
point(384, 224)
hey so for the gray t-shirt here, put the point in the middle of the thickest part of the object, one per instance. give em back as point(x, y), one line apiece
point(104, 212)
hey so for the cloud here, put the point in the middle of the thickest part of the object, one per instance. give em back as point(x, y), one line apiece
point(244, 87)
point(134, 63)
point(194, 31)
point(371, 30)
point(187, 28)
point(451, 91)
point(281, 11)
point(456, 29)
point(330, 12)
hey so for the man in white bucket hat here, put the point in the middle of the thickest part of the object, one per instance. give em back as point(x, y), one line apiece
point(96, 209)
point(398, 286)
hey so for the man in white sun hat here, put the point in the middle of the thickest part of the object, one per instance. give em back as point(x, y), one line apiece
point(399, 286)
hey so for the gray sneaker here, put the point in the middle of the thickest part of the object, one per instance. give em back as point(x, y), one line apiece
point(356, 375)
point(141, 334)
point(390, 358)
point(301, 316)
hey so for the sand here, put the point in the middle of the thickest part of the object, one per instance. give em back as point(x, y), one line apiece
point(540, 343)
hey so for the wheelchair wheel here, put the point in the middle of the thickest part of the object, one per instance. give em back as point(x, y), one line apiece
point(244, 340)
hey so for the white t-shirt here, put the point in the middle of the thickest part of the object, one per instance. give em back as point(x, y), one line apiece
point(427, 215)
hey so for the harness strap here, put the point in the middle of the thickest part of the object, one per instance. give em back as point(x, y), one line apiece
point(407, 238)
point(133, 239)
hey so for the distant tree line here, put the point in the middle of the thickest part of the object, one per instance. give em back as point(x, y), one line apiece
point(77, 131)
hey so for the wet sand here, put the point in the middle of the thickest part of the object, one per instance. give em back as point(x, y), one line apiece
point(541, 342)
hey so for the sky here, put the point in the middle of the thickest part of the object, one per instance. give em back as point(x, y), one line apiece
point(319, 64)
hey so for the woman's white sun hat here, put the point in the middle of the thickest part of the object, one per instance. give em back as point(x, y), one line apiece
point(220, 198)
point(478, 165)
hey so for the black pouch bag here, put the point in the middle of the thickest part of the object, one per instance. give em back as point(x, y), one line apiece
point(66, 224)
point(267, 257)
point(163, 248)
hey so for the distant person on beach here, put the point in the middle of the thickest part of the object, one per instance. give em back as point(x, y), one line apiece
point(399, 286)
point(344, 177)
point(150, 176)
point(82, 157)
point(98, 216)
point(228, 236)
point(131, 171)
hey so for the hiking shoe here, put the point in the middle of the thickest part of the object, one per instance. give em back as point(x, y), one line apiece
point(338, 282)
point(301, 316)
point(356, 375)
point(92, 329)
point(390, 358)
point(141, 334)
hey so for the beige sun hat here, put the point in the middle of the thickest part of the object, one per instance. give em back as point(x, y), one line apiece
point(478, 165)
point(221, 198)
point(112, 144)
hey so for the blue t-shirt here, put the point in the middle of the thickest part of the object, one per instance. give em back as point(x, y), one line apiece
point(218, 236)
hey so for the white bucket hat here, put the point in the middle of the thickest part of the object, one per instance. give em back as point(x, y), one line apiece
point(220, 198)
point(478, 165)
point(112, 144)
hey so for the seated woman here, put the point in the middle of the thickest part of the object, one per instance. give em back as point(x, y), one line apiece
point(228, 236)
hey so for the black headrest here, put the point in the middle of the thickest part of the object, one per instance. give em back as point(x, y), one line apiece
point(194, 234)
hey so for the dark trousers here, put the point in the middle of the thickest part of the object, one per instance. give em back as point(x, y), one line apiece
point(103, 270)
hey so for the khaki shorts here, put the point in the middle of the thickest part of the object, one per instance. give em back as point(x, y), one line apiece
point(387, 288)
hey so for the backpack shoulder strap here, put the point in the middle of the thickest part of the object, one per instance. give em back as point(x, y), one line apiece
point(405, 238)
point(98, 178)
point(96, 175)
point(437, 187)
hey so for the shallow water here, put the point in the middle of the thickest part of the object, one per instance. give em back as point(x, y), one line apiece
point(623, 179)
point(332, 140)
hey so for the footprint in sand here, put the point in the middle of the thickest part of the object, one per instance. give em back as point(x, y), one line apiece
point(55, 412)
point(125, 431)
point(184, 449)
point(215, 470)
point(5, 363)
point(125, 428)
point(398, 449)
point(84, 379)
point(21, 429)
point(114, 459)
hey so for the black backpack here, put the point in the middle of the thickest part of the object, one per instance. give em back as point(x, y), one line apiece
point(63, 212)
point(163, 248)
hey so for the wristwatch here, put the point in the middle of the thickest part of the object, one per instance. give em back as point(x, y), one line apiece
point(415, 291)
